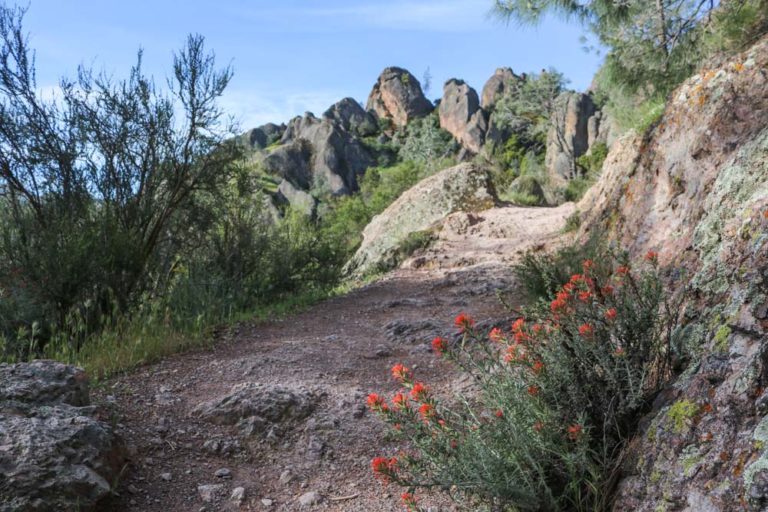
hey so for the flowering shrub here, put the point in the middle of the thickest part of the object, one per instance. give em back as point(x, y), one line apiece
point(559, 392)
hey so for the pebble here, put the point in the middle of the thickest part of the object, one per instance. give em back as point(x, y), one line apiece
point(223, 473)
point(209, 492)
point(310, 498)
point(238, 495)
point(166, 476)
point(286, 477)
point(266, 502)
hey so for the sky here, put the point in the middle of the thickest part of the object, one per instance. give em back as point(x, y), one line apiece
point(294, 56)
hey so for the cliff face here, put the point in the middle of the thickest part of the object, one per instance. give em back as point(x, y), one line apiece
point(695, 189)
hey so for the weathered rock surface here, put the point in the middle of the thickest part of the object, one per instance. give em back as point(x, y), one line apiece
point(297, 198)
point(696, 190)
point(54, 454)
point(497, 86)
point(568, 136)
point(460, 115)
point(263, 136)
point(464, 187)
point(256, 408)
point(397, 96)
point(319, 154)
point(348, 114)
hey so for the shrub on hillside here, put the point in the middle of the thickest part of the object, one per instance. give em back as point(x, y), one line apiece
point(557, 396)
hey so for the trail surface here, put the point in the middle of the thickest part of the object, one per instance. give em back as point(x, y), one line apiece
point(339, 350)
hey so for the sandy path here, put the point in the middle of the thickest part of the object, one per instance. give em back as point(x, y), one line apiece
point(342, 349)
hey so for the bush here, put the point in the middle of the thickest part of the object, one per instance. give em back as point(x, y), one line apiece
point(557, 396)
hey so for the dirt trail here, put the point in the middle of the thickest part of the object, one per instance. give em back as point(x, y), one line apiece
point(342, 349)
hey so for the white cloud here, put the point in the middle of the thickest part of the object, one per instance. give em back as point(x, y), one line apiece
point(254, 107)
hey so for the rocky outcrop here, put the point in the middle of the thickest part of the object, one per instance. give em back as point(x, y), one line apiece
point(568, 136)
point(348, 114)
point(464, 187)
point(695, 189)
point(54, 453)
point(497, 86)
point(460, 115)
point(263, 136)
point(258, 408)
point(397, 96)
point(319, 155)
point(299, 200)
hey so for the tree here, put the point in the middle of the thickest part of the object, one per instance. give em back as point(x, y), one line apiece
point(92, 180)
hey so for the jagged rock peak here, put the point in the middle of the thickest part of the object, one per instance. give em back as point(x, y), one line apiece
point(460, 114)
point(397, 96)
point(352, 117)
point(497, 86)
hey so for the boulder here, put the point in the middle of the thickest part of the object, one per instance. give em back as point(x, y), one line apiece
point(297, 198)
point(460, 115)
point(464, 187)
point(54, 453)
point(497, 86)
point(255, 408)
point(263, 136)
point(348, 114)
point(327, 156)
point(568, 136)
point(397, 96)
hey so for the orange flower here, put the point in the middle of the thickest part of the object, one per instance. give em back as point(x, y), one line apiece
point(518, 325)
point(537, 367)
point(575, 278)
point(586, 330)
point(419, 392)
point(495, 335)
point(610, 314)
point(499, 413)
point(401, 373)
point(537, 328)
point(520, 337)
point(651, 256)
point(585, 296)
point(409, 500)
point(376, 403)
point(463, 322)
point(400, 400)
point(533, 390)
point(622, 270)
point(574, 431)
point(607, 290)
point(439, 345)
point(588, 264)
point(427, 411)
point(568, 287)
point(384, 468)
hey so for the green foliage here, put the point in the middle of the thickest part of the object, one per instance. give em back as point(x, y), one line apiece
point(576, 188)
point(573, 222)
point(541, 273)
point(591, 164)
point(557, 397)
point(426, 143)
point(735, 25)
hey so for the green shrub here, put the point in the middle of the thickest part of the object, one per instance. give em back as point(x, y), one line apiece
point(735, 25)
point(541, 273)
point(557, 397)
point(591, 164)
point(573, 222)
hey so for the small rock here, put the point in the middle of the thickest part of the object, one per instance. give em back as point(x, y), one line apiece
point(266, 502)
point(166, 476)
point(310, 498)
point(238, 495)
point(223, 473)
point(209, 493)
point(286, 477)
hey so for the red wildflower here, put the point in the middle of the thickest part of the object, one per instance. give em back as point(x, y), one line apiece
point(495, 335)
point(439, 345)
point(607, 290)
point(610, 314)
point(619, 352)
point(586, 330)
point(376, 403)
point(568, 287)
point(575, 278)
point(464, 322)
point(499, 413)
point(585, 296)
point(518, 325)
point(558, 304)
point(622, 270)
point(588, 264)
point(651, 256)
point(520, 337)
point(537, 367)
point(400, 400)
point(409, 500)
point(384, 468)
point(574, 431)
point(419, 392)
point(537, 328)
point(427, 411)
point(454, 444)
point(533, 390)
point(538, 426)
point(401, 373)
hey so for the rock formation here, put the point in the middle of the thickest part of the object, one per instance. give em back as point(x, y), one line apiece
point(263, 136)
point(397, 96)
point(463, 187)
point(54, 453)
point(696, 190)
point(497, 86)
point(568, 136)
point(460, 115)
point(348, 114)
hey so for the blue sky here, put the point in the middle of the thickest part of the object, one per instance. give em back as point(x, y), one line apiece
point(292, 56)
